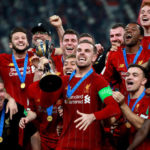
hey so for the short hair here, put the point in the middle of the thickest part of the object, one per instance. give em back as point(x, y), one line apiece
point(140, 27)
point(145, 73)
point(86, 41)
point(70, 56)
point(145, 3)
point(117, 25)
point(17, 29)
point(144, 70)
point(71, 31)
point(87, 35)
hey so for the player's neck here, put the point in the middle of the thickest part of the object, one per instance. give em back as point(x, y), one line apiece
point(82, 71)
point(137, 93)
point(132, 50)
point(147, 31)
point(19, 55)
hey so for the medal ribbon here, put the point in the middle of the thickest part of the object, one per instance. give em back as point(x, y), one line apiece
point(139, 98)
point(22, 78)
point(135, 58)
point(2, 121)
point(49, 110)
point(69, 91)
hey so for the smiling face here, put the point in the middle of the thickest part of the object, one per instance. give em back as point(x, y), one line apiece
point(145, 16)
point(116, 35)
point(134, 79)
point(69, 44)
point(19, 41)
point(85, 55)
point(69, 65)
point(132, 35)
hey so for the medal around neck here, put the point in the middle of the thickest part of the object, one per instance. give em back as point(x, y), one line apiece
point(50, 81)
point(49, 118)
point(23, 85)
point(128, 125)
point(1, 139)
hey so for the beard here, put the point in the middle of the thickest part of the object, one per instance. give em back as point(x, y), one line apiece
point(19, 51)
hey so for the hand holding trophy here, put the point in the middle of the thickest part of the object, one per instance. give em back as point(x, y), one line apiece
point(50, 81)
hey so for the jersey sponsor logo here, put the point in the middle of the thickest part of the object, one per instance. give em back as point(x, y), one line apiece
point(78, 99)
point(87, 99)
point(13, 71)
point(121, 65)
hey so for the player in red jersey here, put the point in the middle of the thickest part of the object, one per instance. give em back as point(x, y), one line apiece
point(47, 128)
point(81, 106)
point(141, 135)
point(132, 53)
point(69, 45)
point(145, 22)
point(69, 64)
point(16, 69)
point(135, 106)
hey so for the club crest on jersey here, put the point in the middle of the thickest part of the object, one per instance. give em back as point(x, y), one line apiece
point(87, 88)
point(38, 100)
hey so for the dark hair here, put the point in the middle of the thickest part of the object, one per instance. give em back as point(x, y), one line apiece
point(86, 41)
point(140, 67)
point(140, 27)
point(144, 70)
point(17, 29)
point(87, 35)
point(117, 25)
point(71, 31)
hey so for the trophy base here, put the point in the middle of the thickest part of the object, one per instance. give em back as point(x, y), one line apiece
point(50, 83)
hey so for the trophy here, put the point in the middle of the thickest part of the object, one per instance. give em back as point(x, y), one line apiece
point(50, 81)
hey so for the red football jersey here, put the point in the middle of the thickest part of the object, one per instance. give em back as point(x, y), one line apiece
point(116, 64)
point(11, 80)
point(47, 129)
point(85, 99)
point(142, 110)
point(146, 42)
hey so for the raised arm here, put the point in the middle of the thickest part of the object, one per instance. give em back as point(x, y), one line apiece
point(131, 116)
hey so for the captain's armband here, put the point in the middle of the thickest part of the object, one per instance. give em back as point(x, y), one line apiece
point(104, 93)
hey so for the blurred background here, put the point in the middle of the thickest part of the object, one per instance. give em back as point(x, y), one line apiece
point(91, 16)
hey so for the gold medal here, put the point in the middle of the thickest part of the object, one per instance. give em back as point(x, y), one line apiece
point(128, 125)
point(22, 85)
point(49, 118)
point(1, 139)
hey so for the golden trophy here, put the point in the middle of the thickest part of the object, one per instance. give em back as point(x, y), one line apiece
point(50, 81)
